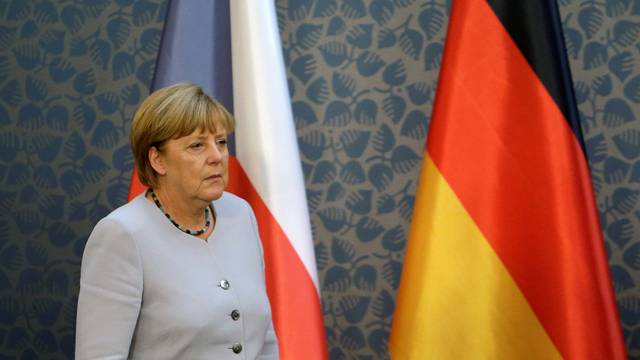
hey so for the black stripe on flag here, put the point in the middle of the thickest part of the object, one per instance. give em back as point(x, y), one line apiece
point(535, 27)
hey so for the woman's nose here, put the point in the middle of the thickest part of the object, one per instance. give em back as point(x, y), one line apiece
point(215, 153)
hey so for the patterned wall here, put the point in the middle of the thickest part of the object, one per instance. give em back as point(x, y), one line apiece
point(362, 77)
point(362, 80)
point(71, 75)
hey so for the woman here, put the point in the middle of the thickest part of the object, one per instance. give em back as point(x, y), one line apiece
point(177, 273)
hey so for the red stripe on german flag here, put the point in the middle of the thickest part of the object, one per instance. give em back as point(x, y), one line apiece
point(504, 179)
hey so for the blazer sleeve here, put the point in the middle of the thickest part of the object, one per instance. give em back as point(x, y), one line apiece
point(110, 293)
point(270, 347)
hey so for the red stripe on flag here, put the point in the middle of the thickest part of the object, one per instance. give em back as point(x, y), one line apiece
point(136, 186)
point(515, 164)
point(294, 299)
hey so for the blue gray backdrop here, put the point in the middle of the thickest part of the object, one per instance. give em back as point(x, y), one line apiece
point(362, 77)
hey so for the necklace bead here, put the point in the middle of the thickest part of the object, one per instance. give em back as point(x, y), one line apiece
point(207, 217)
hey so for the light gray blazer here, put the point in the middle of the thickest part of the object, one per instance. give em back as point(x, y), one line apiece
point(150, 291)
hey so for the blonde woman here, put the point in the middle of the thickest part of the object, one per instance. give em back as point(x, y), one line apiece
point(177, 273)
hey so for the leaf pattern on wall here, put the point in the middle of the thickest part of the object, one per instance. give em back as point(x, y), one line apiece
point(69, 83)
point(369, 82)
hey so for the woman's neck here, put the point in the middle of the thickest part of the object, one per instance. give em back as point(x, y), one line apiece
point(189, 213)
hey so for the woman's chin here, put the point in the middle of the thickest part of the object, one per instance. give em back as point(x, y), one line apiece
point(212, 195)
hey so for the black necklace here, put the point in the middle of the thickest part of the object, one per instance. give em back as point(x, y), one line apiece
point(188, 231)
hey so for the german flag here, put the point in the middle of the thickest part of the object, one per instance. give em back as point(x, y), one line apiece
point(505, 258)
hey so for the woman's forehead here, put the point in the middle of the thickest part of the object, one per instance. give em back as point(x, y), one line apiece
point(206, 132)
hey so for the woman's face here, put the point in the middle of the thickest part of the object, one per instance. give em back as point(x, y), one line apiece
point(195, 165)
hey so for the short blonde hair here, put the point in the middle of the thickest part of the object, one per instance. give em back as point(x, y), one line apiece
point(170, 113)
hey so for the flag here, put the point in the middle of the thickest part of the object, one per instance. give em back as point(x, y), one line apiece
point(232, 49)
point(505, 257)
point(267, 151)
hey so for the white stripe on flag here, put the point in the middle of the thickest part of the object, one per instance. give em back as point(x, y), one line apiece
point(266, 141)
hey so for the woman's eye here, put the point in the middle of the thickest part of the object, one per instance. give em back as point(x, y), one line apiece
point(195, 145)
point(221, 141)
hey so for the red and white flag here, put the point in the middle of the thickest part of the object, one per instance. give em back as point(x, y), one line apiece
point(267, 151)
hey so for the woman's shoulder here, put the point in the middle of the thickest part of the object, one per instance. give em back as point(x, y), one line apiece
point(231, 204)
point(131, 215)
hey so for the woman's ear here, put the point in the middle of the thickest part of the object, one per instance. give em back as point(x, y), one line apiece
point(157, 161)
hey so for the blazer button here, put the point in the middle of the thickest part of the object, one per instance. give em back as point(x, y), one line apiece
point(237, 348)
point(235, 315)
point(224, 284)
